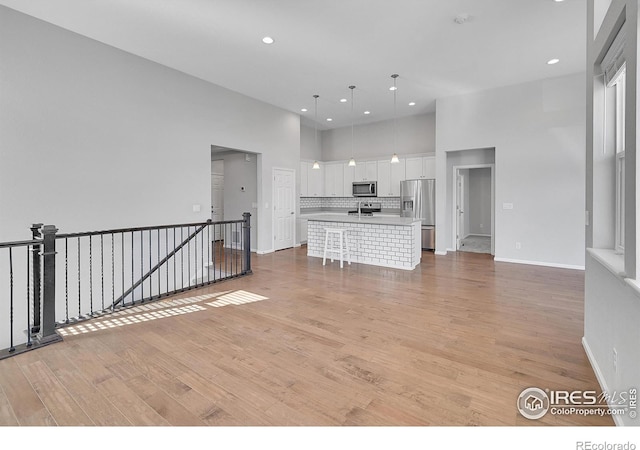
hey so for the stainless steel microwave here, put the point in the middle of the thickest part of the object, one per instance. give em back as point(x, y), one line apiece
point(365, 189)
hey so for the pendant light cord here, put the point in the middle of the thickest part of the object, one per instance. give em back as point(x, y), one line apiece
point(352, 120)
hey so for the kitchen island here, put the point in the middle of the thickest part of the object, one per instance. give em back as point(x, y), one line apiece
point(386, 241)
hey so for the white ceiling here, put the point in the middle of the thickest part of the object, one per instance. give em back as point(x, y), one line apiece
point(323, 46)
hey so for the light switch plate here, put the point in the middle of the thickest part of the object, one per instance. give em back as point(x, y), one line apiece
point(507, 206)
point(196, 208)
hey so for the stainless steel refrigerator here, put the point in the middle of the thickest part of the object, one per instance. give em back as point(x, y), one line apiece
point(418, 200)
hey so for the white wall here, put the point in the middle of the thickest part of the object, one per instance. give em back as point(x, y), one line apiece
point(600, 9)
point(415, 135)
point(309, 147)
point(538, 132)
point(95, 138)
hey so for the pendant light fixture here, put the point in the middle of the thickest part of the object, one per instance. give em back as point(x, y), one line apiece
point(394, 158)
point(315, 163)
point(352, 162)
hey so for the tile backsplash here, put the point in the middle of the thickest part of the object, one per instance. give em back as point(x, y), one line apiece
point(346, 202)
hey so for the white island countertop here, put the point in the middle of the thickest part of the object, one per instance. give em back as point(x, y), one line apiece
point(346, 218)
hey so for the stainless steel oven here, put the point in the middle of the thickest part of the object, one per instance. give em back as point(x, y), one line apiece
point(365, 189)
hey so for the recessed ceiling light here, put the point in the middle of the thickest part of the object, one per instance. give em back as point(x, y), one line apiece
point(343, 100)
point(558, 1)
point(412, 104)
point(304, 110)
point(553, 61)
point(367, 112)
point(267, 40)
point(393, 88)
point(329, 119)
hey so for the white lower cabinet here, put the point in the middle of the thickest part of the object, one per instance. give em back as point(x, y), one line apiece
point(302, 229)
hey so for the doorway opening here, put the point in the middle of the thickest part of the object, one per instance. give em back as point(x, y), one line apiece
point(474, 209)
point(217, 195)
point(234, 191)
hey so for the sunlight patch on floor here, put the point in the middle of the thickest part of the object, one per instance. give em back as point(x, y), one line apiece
point(236, 298)
point(162, 310)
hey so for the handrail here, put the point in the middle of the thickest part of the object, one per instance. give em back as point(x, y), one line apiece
point(146, 228)
point(20, 243)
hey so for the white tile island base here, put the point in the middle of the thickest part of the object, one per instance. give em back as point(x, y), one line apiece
point(385, 241)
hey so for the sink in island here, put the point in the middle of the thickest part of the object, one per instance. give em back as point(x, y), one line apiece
point(388, 241)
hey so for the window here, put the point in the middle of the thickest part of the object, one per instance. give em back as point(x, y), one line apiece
point(619, 84)
point(614, 69)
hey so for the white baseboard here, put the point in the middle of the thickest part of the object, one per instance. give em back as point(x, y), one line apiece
point(440, 253)
point(264, 252)
point(596, 369)
point(538, 263)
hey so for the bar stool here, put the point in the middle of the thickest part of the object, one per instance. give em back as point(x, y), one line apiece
point(339, 236)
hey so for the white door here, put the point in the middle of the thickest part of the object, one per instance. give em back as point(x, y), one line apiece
point(283, 208)
point(217, 202)
point(460, 232)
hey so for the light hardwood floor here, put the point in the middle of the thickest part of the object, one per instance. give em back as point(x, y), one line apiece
point(453, 342)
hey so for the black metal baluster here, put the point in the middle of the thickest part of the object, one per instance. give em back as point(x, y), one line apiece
point(182, 257)
point(141, 266)
point(113, 274)
point(236, 241)
point(166, 245)
point(11, 348)
point(150, 266)
point(189, 256)
point(159, 260)
point(28, 300)
point(226, 250)
point(208, 253)
point(122, 266)
point(79, 284)
point(175, 261)
point(91, 274)
point(102, 268)
point(132, 268)
point(66, 279)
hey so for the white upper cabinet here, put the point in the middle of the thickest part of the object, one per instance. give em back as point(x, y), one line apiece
point(349, 177)
point(315, 181)
point(366, 171)
point(389, 178)
point(334, 180)
point(420, 167)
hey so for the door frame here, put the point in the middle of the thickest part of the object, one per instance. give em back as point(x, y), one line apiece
point(460, 194)
point(454, 198)
point(273, 195)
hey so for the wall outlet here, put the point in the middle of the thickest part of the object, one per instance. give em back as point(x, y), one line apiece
point(518, 246)
point(196, 208)
point(615, 361)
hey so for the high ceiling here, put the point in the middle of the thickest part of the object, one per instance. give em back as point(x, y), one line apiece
point(323, 46)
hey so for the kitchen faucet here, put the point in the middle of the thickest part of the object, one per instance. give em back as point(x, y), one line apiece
point(359, 208)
